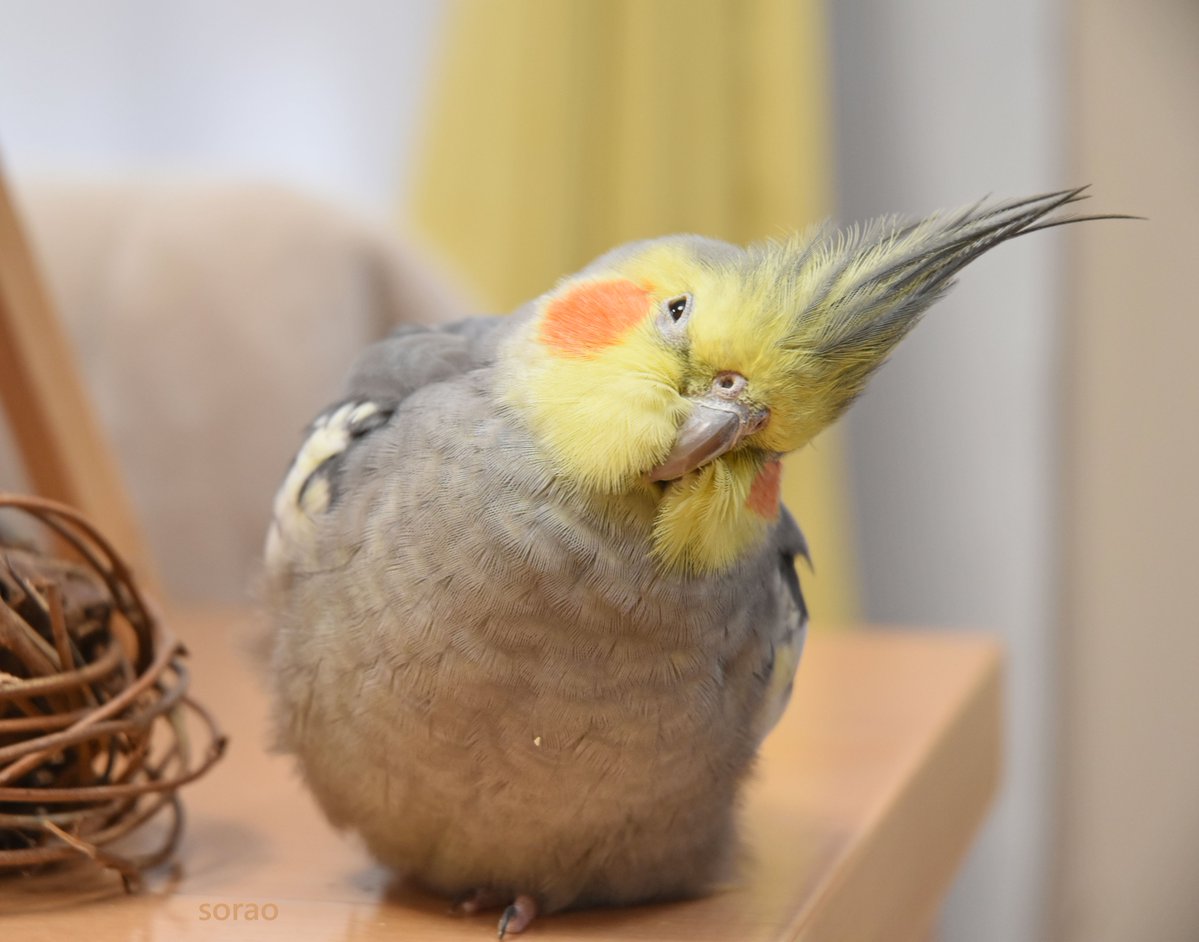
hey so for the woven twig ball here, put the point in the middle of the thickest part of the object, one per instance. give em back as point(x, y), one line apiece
point(94, 729)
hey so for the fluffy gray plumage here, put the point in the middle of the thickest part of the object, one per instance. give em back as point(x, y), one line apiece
point(484, 674)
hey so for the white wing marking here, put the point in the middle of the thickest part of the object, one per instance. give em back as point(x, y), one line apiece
point(304, 495)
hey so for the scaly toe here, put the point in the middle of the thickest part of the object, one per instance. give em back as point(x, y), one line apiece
point(473, 902)
point(517, 917)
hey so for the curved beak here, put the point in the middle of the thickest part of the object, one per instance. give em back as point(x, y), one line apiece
point(714, 426)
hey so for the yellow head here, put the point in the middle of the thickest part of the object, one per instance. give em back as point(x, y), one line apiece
point(685, 367)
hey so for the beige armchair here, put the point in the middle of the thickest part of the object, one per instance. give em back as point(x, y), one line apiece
point(212, 321)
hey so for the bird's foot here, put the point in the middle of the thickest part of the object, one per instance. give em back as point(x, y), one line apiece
point(473, 902)
point(517, 914)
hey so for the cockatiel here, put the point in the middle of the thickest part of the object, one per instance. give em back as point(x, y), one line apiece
point(534, 595)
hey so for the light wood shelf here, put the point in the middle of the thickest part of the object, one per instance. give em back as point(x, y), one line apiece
point(866, 798)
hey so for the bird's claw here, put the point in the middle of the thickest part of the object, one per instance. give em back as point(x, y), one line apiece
point(517, 916)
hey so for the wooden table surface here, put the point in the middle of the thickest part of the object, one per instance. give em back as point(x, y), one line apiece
point(867, 795)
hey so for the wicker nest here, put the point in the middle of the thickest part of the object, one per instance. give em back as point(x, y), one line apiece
point(94, 729)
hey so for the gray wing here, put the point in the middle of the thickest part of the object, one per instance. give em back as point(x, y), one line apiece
point(791, 629)
point(384, 375)
point(414, 357)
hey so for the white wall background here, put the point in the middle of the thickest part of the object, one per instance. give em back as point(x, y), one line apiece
point(939, 103)
point(322, 94)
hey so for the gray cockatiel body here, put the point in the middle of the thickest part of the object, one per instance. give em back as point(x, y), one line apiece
point(534, 595)
point(483, 702)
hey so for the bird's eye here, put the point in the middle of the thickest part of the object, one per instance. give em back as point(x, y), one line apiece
point(677, 307)
point(672, 318)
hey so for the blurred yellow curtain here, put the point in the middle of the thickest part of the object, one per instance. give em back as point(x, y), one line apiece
point(559, 129)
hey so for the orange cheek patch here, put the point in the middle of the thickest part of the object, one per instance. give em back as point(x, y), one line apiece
point(763, 496)
point(593, 316)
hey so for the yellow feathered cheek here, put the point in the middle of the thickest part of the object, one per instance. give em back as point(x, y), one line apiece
point(605, 399)
point(607, 425)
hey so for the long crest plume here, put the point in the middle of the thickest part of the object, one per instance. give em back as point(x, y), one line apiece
point(854, 296)
point(878, 282)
